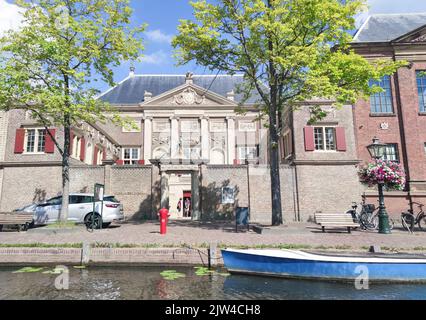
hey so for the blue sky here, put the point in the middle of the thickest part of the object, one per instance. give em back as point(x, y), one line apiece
point(163, 17)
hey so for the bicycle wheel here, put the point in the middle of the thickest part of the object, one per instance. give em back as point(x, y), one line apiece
point(375, 222)
point(367, 221)
point(407, 221)
point(422, 222)
point(391, 224)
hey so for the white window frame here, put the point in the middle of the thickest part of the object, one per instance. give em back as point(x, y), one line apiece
point(131, 159)
point(89, 153)
point(76, 147)
point(246, 149)
point(36, 141)
point(395, 154)
point(100, 156)
point(324, 139)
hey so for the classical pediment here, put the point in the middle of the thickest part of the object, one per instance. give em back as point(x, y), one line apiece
point(415, 36)
point(188, 95)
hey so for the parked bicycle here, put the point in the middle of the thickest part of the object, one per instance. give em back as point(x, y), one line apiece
point(409, 219)
point(367, 215)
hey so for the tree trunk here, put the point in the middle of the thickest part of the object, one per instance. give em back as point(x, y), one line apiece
point(277, 217)
point(63, 215)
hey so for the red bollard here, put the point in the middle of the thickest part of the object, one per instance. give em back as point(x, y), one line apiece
point(164, 216)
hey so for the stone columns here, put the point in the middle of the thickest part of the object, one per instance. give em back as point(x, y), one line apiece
point(147, 140)
point(164, 203)
point(195, 195)
point(231, 139)
point(174, 138)
point(205, 138)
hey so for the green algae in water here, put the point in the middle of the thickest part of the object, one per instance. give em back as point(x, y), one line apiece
point(28, 270)
point(79, 267)
point(55, 271)
point(172, 275)
point(203, 271)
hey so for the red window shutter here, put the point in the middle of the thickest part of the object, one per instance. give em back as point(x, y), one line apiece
point(49, 145)
point(120, 162)
point(104, 154)
point(95, 156)
point(236, 161)
point(82, 149)
point(141, 162)
point(340, 139)
point(71, 141)
point(309, 139)
point(19, 140)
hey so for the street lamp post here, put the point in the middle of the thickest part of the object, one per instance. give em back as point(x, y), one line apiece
point(377, 150)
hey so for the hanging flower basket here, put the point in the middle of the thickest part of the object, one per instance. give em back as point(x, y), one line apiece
point(390, 174)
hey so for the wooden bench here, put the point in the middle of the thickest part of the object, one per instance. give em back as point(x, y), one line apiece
point(335, 220)
point(21, 220)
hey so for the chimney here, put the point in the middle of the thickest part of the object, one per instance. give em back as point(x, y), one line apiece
point(147, 96)
point(230, 95)
point(188, 78)
point(132, 71)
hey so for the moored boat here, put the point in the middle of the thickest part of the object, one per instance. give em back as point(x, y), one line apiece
point(327, 266)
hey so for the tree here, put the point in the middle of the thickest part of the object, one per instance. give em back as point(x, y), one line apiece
point(49, 65)
point(288, 50)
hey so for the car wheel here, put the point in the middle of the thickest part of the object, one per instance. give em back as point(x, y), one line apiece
point(92, 222)
point(106, 225)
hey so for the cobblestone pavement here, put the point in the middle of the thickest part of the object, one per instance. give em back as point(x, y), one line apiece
point(197, 233)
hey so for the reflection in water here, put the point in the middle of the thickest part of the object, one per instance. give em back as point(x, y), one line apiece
point(147, 283)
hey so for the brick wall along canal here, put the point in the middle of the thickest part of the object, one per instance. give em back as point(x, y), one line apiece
point(182, 283)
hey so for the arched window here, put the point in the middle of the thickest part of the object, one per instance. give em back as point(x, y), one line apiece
point(217, 156)
point(160, 153)
point(89, 154)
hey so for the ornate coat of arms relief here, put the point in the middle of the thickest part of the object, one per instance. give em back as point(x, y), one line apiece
point(188, 97)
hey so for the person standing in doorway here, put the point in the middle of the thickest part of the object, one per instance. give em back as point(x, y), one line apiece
point(179, 206)
point(187, 207)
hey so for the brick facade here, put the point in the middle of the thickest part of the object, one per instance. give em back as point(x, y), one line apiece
point(405, 126)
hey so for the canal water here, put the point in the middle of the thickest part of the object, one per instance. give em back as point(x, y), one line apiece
point(153, 283)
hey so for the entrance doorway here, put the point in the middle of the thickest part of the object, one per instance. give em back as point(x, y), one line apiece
point(187, 209)
point(179, 190)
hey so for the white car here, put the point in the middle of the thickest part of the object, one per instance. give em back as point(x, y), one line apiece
point(80, 210)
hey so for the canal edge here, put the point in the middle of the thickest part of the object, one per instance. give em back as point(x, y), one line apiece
point(89, 256)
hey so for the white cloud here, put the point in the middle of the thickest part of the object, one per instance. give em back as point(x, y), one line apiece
point(10, 16)
point(159, 36)
point(156, 58)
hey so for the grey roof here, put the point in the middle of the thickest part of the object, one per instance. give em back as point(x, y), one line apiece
point(131, 90)
point(388, 27)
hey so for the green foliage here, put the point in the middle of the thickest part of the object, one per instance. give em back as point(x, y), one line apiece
point(289, 51)
point(62, 48)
